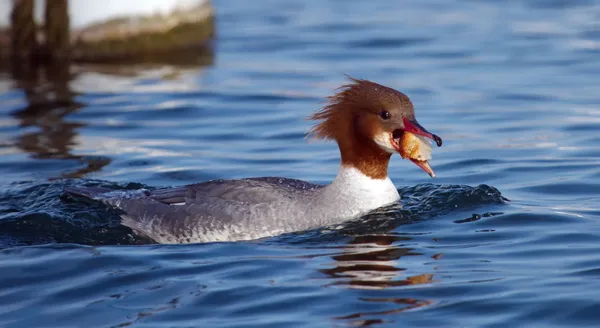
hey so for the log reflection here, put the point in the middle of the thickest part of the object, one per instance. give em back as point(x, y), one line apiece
point(49, 101)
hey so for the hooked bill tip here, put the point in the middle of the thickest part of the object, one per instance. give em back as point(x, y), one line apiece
point(438, 140)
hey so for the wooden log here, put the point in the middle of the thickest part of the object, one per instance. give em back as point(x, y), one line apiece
point(136, 31)
point(23, 29)
point(56, 28)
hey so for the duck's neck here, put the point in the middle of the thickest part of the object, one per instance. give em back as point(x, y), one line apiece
point(360, 192)
point(364, 155)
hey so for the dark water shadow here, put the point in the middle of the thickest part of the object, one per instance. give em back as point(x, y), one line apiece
point(33, 213)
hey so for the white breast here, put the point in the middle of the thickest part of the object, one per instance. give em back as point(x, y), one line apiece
point(353, 193)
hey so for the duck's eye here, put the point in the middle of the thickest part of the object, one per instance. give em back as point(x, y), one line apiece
point(384, 114)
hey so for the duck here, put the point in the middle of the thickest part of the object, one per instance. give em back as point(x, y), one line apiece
point(367, 120)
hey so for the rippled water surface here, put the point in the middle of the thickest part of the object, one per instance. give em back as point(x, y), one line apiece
point(507, 235)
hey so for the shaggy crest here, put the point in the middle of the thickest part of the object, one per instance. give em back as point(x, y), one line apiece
point(359, 95)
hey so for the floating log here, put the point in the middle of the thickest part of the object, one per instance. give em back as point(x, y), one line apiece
point(143, 29)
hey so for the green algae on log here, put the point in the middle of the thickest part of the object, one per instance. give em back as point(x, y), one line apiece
point(140, 37)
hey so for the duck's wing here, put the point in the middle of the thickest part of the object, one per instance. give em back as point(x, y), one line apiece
point(213, 219)
point(210, 211)
point(253, 191)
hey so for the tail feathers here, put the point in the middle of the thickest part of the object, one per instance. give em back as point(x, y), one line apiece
point(90, 192)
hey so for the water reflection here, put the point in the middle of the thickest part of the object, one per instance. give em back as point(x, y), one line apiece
point(361, 319)
point(374, 262)
point(50, 99)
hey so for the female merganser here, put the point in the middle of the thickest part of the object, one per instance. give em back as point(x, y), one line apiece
point(366, 119)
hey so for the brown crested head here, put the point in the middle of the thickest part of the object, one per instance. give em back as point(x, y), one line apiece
point(367, 119)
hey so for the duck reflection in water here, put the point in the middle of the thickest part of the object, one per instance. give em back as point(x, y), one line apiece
point(373, 262)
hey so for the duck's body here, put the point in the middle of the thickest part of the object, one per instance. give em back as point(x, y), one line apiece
point(228, 210)
point(225, 210)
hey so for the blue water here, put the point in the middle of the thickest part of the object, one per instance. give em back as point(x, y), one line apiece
point(507, 235)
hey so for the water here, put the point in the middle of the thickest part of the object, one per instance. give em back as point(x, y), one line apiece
point(506, 235)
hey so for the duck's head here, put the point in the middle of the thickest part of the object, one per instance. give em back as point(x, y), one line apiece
point(370, 122)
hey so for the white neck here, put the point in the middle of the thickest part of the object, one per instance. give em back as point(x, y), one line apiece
point(359, 193)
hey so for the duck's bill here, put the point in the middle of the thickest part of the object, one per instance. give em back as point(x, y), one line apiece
point(424, 165)
point(413, 126)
